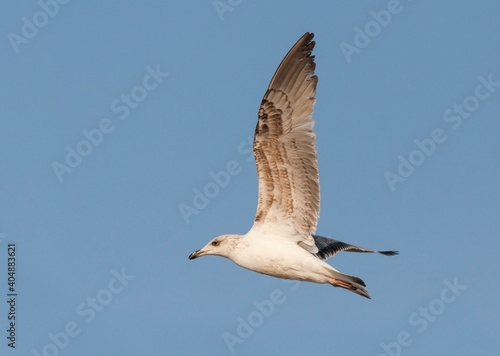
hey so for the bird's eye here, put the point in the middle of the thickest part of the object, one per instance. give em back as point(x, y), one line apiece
point(215, 243)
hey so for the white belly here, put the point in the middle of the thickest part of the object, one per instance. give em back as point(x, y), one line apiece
point(278, 257)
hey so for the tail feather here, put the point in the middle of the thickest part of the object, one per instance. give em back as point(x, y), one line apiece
point(358, 280)
point(354, 284)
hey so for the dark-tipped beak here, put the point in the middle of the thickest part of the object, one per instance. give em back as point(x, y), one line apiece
point(195, 254)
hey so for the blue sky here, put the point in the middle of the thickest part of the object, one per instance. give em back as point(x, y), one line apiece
point(160, 97)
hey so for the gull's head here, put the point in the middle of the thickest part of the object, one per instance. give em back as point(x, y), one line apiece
point(222, 245)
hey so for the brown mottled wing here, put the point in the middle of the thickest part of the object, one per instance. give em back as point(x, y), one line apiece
point(285, 145)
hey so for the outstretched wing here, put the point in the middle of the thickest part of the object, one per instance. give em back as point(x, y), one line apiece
point(329, 247)
point(285, 145)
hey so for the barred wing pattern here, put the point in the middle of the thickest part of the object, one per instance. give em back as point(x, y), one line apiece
point(329, 248)
point(285, 146)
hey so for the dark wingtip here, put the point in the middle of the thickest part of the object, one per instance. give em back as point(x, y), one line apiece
point(389, 253)
point(308, 35)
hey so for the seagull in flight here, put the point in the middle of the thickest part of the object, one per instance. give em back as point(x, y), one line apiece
point(282, 241)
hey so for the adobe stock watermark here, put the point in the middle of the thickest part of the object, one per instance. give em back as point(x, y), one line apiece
point(223, 6)
point(32, 25)
point(217, 182)
point(121, 106)
point(263, 310)
point(427, 146)
point(423, 317)
point(87, 310)
point(364, 35)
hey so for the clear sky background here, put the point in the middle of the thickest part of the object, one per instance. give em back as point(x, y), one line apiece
point(119, 209)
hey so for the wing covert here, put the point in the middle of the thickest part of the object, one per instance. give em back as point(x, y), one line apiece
point(285, 145)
